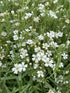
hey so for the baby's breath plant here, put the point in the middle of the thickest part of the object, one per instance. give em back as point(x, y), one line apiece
point(34, 46)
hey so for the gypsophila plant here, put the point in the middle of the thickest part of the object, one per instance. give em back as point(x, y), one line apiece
point(34, 46)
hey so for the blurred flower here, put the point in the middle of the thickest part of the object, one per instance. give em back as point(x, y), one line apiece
point(3, 33)
point(36, 19)
point(67, 21)
point(50, 91)
point(15, 37)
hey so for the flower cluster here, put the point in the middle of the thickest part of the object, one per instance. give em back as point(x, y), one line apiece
point(35, 43)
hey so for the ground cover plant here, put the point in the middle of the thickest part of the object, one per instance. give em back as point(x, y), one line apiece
point(34, 46)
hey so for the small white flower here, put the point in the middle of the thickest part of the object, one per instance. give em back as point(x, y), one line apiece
point(29, 41)
point(40, 55)
point(60, 34)
point(67, 21)
point(28, 15)
point(45, 46)
point(49, 63)
point(17, 24)
point(12, 12)
point(41, 6)
point(40, 73)
point(23, 53)
point(54, 44)
point(37, 49)
point(17, 68)
point(55, 1)
point(50, 91)
point(61, 65)
point(44, 58)
point(35, 66)
point(24, 66)
point(36, 58)
point(3, 20)
point(58, 91)
point(49, 53)
point(3, 33)
point(15, 31)
point(51, 34)
point(68, 42)
point(15, 37)
point(0, 64)
point(47, 3)
point(67, 72)
point(27, 30)
point(42, 14)
point(24, 44)
point(65, 56)
point(36, 19)
point(41, 37)
point(52, 14)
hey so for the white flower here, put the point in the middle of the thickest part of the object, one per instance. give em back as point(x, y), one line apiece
point(41, 37)
point(28, 15)
point(53, 66)
point(60, 34)
point(52, 14)
point(16, 24)
point(3, 20)
point(36, 19)
point(23, 53)
point(54, 44)
point(51, 34)
point(65, 56)
point(8, 41)
point(61, 65)
point(29, 41)
point(40, 55)
point(55, 1)
point(42, 14)
point(15, 31)
point(68, 42)
point(35, 66)
point(45, 45)
point(50, 91)
point(67, 21)
point(12, 12)
point(24, 44)
point(3, 33)
point(41, 7)
point(27, 30)
point(58, 92)
point(15, 37)
point(48, 63)
point(36, 58)
point(30, 27)
point(17, 68)
point(45, 59)
point(47, 3)
point(49, 53)
point(40, 73)
point(2, 56)
point(24, 66)
point(37, 49)
point(0, 64)
point(67, 72)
